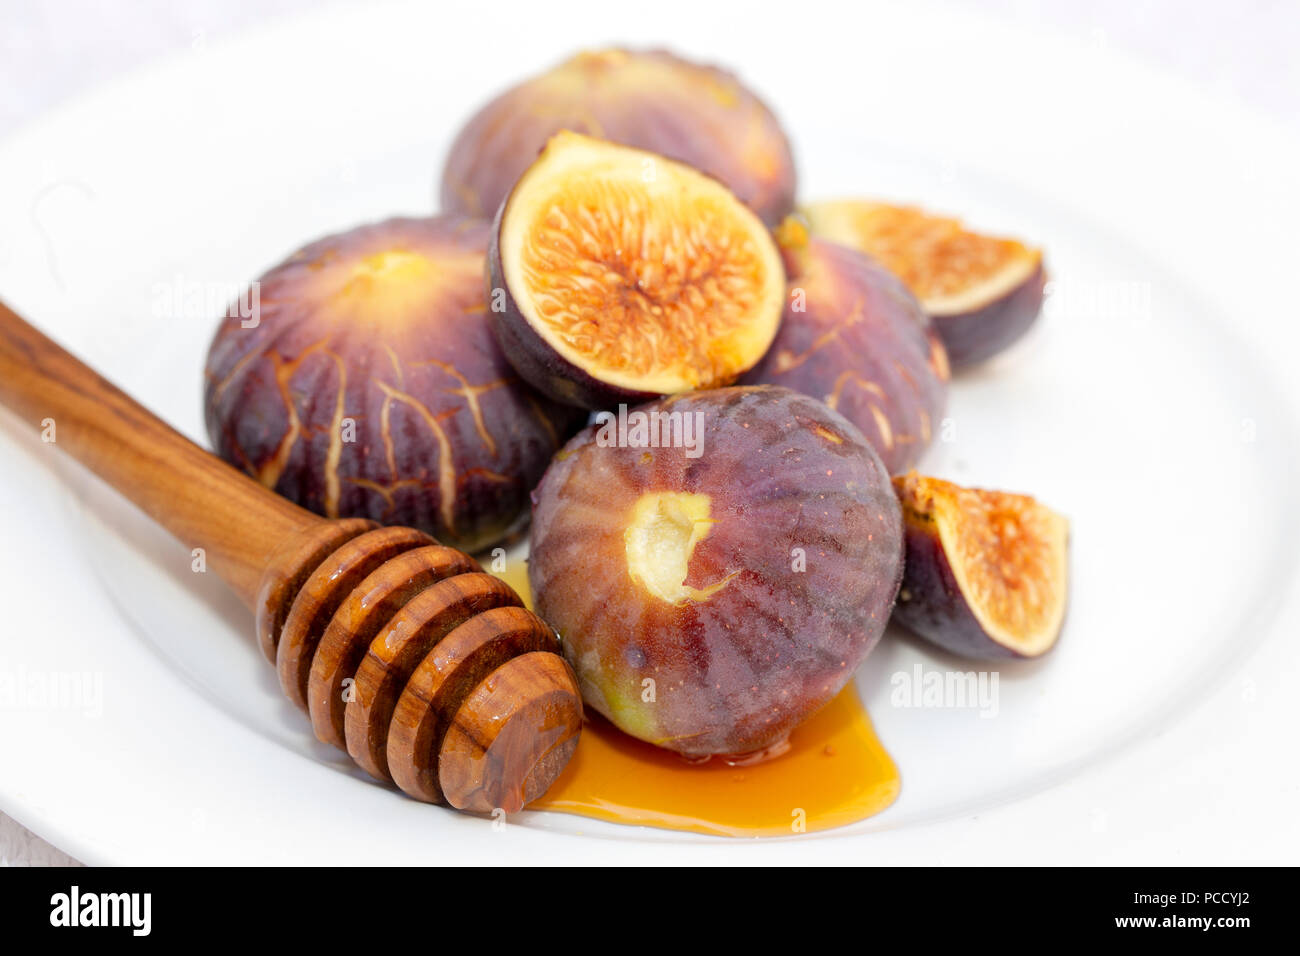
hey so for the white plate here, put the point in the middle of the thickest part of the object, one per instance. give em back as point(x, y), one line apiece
point(1153, 405)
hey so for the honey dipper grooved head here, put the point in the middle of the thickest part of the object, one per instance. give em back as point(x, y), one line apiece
point(430, 672)
point(513, 735)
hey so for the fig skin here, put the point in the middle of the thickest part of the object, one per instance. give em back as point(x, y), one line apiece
point(979, 334)
point(562, 378)
point(749, 646)
point(385, 325)
point(932, 602)
point(861, 344)
point(975, 324)
point(650, 99)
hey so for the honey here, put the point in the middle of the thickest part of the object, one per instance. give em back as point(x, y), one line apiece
point(835, 772)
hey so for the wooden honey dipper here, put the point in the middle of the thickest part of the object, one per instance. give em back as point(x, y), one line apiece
point(430, 673)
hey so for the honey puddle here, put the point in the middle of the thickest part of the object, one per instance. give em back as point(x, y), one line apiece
point(836, 772)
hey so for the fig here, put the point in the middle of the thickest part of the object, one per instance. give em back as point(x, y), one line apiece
point(986, 571)
point(652, 100)
point(854, 337)
point(982, 292)
point(620, 276)
point(716, 564)
point(367, 384)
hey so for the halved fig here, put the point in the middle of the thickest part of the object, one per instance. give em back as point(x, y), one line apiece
point(982, 292)
point(649, 99)
point(619, 276)
point(985, 574)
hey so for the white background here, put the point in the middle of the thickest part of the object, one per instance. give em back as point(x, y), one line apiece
point(49, 53)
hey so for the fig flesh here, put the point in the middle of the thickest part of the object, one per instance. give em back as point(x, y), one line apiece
point(369, 385)
point(652, 100)
point(855, 338)
point(713, 594)
point(618, 276)
point(983, 292)
point(986, 572)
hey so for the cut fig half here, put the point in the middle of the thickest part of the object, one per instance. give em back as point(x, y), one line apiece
point(982, 292)
point(985, 574)
point(617, 275)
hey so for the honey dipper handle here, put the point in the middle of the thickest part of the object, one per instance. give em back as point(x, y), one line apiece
point(200, 499)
